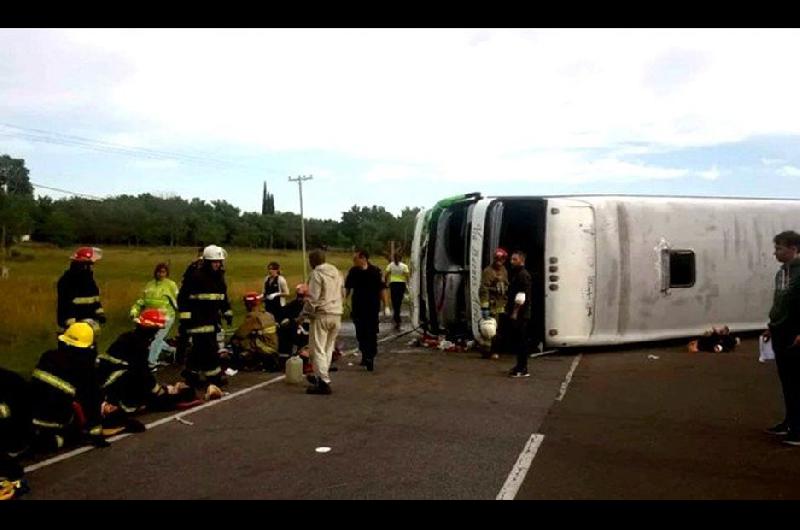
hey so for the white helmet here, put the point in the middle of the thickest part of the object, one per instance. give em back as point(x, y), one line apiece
point(488, 328)
point(214, 253)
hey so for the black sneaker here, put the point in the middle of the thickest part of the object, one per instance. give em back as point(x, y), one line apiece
point(780, 429)
point(519, 373)
point(792, 438)
point(311, 378)
point(322, 388)
point(370, 366)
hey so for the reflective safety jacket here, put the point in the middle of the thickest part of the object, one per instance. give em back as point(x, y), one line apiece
point(157, 294)
point(61, 377)
point(124, 375)
point(78, 297)
point(493, 291)
point(258, 334)
point(15, 413)
point(203, 300)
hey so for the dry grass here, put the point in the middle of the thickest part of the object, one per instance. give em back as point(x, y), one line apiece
point(28, 297)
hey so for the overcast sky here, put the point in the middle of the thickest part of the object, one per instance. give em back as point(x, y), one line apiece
point(399, 117)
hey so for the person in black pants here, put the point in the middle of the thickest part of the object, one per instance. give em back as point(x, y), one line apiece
point(396, 277)
point(784, 332)
point(365, 282)
point(518, 309)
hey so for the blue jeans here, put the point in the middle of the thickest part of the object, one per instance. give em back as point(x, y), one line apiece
point(158, 343)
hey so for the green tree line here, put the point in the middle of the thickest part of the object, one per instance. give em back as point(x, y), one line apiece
point(149, 220)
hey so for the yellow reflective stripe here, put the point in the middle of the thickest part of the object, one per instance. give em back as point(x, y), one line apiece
point(202, 329)
point(111, 359)
point(47, 424)
point(183, 315)
point(99, 311)
point(213, 372)
point(207, 296)
point(5, 411)
point(52, 380)
point(126, 408)
point(59, 441)
point(270, 329)
point(113, 377)
point(96, 431)
point(85, 299)
point(155, 389)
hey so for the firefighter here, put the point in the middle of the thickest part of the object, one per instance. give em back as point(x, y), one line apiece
point(15, 432)
point(127, 381)
point(78, 295)
point(292, 334)
point(183, 338)
point(493, 295)
point(202, 302)
point(255, 342)
point(66, 397)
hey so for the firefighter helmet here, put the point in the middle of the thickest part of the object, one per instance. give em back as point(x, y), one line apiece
point(252, 299)
point(488, 328)
point(214, 253)
point(90, 254)
point(79, 335)
point(151, 318)
point(500, 252)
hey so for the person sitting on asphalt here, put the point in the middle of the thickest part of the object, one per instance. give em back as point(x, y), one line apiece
point(128, 382)
point(15, 432)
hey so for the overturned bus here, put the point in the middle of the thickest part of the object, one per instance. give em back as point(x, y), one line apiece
point(606, 269)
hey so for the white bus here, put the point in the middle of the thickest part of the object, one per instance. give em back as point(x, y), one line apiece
point(606, 269)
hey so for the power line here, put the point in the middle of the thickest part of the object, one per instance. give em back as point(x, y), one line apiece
point(67, 191)
point(39, 135)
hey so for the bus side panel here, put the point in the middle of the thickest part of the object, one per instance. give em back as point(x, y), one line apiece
point(417, 265)
point(569, 277)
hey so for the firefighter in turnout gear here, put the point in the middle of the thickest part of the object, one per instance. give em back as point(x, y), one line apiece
point(127, 381)
point(202, 302)
point(15, 432)
point(78, 295)
point(66, 397)
point(493, 294)
point(255, 342)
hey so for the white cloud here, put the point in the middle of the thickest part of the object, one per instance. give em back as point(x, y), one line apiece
point(459, 103)
point(789, 171)
point(711, 174)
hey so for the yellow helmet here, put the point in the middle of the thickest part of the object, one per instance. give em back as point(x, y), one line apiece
point(79, 334)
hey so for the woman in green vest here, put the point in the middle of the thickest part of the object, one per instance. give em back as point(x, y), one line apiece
point(159, 293)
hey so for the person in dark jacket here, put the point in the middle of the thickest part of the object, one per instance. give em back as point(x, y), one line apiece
point(784, 332)
point(65, 395)
point(518, 309)
point(15, 432)
point(78, 295)
point(128, 382)
point(365, 282)
point(202, 302)
point(293, 335)
point(183, 339)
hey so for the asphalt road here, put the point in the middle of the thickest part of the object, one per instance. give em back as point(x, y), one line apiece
point(434, 425)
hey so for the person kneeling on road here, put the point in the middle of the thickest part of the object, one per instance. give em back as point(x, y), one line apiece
point(255, 343)
point(127, 380)
point(65, 395)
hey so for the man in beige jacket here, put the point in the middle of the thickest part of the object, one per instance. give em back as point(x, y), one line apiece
point(323, 307)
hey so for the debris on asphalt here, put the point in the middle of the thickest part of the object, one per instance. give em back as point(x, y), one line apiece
point(323, 449)
point(653, 357)
point(181, 420)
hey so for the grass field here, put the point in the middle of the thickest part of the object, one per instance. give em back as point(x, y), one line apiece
point(28, 297)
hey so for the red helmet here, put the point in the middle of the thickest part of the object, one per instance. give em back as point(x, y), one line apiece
point(500, 252)
point(90, 254)
point(252, 298)
point(152, 318)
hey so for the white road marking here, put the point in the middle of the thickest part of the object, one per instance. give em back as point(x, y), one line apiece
point(567, 379)
point(514, 480)
point(80, 450)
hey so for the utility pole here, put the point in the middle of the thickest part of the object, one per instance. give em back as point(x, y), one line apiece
point(299, 181)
